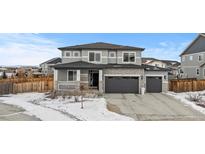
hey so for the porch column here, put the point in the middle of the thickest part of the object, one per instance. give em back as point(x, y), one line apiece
point(100, 81)
point(78, 75)
point(55, 79)
point(78, 78)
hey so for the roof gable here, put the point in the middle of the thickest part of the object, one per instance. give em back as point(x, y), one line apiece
point(196, 46)
point(101, 45)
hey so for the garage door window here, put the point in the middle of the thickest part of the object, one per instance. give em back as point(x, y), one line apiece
point(129, 57)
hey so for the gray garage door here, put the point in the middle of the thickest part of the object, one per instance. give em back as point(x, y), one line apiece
point(121, 84)
point(154, 84)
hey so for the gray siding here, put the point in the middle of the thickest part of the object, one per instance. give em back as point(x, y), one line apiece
point(197, 46)
point(84, 56)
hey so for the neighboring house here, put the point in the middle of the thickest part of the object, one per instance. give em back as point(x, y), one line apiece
point(109, 68)
point(154, 62)
point(172, 66)
point(193, 59)
point(46, 67)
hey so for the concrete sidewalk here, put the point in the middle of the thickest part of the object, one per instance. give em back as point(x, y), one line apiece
point(153, 106)
point(14, 113)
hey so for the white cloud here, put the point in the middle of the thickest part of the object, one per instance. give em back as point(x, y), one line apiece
point(26, 49)
point(166, 50)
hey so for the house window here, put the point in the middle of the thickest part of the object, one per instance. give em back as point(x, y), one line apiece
point(197, 71)
point(94, 56)
point(67, 53)
point(183, 58)
point(200, 57)
point(112, 54)
point(72, 75)
point(204, 71)
point(129, 57)
point(190, 58)
point(76, 54)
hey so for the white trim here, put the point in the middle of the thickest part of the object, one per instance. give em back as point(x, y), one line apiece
point(123, 75)
point(128, 54)
point(100, 75)
point(190, 57)
point(68, 77)
point(111, 52)
point(78, 75)
point(84, 82)
point(64, 54)
point(188, 54)
point(94, 58)
point(76, 56)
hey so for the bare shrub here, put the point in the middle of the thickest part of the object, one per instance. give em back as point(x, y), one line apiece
point(194, 97)
point(200, 103)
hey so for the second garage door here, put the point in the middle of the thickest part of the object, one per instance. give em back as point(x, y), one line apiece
point(154, 84)
point(121, 84)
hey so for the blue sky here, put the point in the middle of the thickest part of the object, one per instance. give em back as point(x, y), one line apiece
point(32, 49)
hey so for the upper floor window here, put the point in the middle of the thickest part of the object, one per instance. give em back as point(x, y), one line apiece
point(129, 57)
point(94, 56)
point(67, 54)
point(183, 58)
point(76, 53)
point(72, 75)
point(200, 57)
point(191, 58)
point(112, 54)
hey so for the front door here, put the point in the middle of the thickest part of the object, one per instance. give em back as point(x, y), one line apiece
point(94, 78)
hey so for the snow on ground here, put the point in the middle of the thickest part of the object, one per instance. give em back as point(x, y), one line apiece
point(45, 114)
point(48, 109)
point(182, 97)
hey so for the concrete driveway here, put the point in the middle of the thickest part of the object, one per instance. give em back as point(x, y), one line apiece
point(14, 113)
point(152, 106)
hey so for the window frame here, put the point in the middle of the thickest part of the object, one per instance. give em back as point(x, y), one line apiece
point(183, 58)
point(204, 71)
point(76, 52)
point(201, 57)
point(95, 52)
point(112, 52)
point(65, 53)
point(123, 53)
point(73, 75)
point(191, 57)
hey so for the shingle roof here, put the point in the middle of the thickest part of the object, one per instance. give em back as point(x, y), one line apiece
point(168, 62)
point(86, 65)
point(196, 46)
point(101, 45)
point(53, 61)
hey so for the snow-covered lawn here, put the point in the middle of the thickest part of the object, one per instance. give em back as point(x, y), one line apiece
point(183, 97)
point(39, 105)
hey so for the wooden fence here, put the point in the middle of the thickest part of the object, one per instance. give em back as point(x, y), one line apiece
point(21, 85)
point(185, 85)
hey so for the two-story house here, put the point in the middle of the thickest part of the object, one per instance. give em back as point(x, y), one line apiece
point(172, 65)
point(109, 68)
point(193, 59)
point(46, 67)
